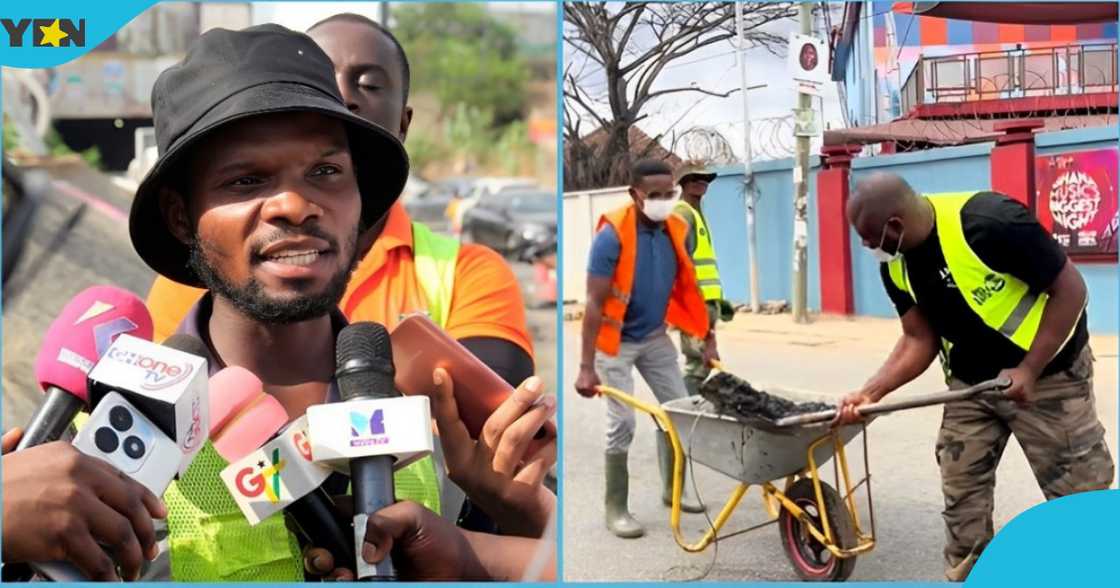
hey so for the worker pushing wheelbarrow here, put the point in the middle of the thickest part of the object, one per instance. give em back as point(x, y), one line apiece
point(778, 440)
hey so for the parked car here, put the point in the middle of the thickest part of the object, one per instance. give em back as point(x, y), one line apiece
point(482, 188)
point(430, 206)
point(517, 224)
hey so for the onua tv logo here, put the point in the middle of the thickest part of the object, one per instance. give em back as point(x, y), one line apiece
point(45, 32)
point(367, 429)
point(264, 478)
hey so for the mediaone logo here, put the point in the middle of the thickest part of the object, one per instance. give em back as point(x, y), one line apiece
point(158, 373)
point(45, 32)
point(367, 429)
point(264, 478)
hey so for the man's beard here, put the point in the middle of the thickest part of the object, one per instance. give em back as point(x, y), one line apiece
point(251, 300)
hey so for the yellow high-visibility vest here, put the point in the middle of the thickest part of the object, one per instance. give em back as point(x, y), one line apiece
point(704, 257)
point(1004, 302)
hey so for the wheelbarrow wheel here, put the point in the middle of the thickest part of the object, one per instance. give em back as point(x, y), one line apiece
point(809, 557)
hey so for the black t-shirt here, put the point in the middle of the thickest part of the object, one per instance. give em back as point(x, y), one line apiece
point(1008, 238)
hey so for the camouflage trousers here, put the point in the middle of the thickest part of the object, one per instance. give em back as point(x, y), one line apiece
point(695, 370)
point(1062, 439)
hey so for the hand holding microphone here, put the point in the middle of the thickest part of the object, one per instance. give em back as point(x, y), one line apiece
point(60, 504)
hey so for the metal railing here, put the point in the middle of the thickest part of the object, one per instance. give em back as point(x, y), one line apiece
point(1016, 73)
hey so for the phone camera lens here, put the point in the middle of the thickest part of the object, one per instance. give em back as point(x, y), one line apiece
point(120, 418)
point(133, 447)
point(105, 440)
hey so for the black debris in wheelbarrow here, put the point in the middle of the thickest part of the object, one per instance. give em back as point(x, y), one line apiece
point(735, 396)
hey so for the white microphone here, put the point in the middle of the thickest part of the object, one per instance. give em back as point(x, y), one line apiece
point(168, 383)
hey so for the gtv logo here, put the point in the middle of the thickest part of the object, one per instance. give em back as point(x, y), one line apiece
point(45, 32)
point(367, 430)
point(263, 479)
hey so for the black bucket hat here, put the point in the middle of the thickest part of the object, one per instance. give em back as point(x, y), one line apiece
point(231, 75)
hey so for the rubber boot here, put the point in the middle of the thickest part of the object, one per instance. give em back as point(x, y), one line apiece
point(689, 502)
point(619, 520)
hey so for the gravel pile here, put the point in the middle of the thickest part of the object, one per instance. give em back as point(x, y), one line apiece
point(736, 397)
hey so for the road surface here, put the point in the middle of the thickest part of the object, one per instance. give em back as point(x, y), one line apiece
point(830, 356)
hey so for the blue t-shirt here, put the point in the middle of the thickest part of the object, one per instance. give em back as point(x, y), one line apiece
point(655, 270)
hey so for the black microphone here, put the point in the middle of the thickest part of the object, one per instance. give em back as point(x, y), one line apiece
point(364, 371)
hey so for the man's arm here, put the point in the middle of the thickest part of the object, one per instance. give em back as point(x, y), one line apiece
point(597, 289)
point(912, 354)
point(1008, 237)
point(1068, 296)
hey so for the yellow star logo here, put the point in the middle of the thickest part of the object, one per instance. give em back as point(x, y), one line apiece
point(52, 34)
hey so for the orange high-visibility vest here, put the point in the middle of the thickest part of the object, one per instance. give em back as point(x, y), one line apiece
point(686, 309)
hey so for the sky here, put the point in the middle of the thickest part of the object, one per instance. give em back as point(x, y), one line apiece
point(714, 68)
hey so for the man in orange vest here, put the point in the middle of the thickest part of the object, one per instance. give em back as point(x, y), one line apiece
point(639, 278)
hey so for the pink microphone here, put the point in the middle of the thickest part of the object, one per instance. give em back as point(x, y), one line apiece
point(242, 416)
point(242, 419)
point(85, 328)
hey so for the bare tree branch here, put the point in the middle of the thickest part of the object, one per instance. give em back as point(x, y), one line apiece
point(630, 45)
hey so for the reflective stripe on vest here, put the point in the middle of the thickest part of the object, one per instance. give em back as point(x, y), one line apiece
point(209, 538)
point(1004, 302)
point(704, 257)
point(686, 309)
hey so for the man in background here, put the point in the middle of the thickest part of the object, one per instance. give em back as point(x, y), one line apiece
point(693, 179)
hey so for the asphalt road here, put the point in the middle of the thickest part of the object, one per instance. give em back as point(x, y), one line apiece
point(78, 243)
point(829, 357)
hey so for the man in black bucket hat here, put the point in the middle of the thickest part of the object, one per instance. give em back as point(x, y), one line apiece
point(264, 180)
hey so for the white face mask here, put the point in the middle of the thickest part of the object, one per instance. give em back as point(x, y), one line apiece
point(881, 255)
point(659, 210)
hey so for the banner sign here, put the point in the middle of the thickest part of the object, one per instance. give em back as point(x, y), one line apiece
point(1076, 200)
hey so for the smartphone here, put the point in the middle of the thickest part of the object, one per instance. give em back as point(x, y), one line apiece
point(420, 346)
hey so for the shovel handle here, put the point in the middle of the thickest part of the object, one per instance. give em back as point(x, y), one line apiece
point(915, 401)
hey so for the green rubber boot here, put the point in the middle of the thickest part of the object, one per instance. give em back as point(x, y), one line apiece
point(619, 520)
point(689, 502)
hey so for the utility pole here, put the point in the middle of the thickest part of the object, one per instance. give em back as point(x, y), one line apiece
point(750, 193)
point(801, 193)
point(383, 14)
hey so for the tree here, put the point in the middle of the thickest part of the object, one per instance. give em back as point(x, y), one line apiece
point(630, 45)
point(463, 55)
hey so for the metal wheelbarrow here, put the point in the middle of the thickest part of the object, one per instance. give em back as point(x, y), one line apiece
point(820, 528)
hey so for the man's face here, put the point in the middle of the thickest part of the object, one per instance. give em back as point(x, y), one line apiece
point(694, 186)
point(876, 230)
point(272, 215)
point(368, 70)
point(658, 187)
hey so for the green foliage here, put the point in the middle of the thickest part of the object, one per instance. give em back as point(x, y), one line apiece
point(463, 55)
point(11, 135)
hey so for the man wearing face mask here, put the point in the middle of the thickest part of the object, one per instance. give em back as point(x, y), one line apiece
point(640, 277)
point(976, 279)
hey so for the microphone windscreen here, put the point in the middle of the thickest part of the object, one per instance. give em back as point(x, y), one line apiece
point(364, 361)
point(84, 330)
point(250, 428)
point(231, 391)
